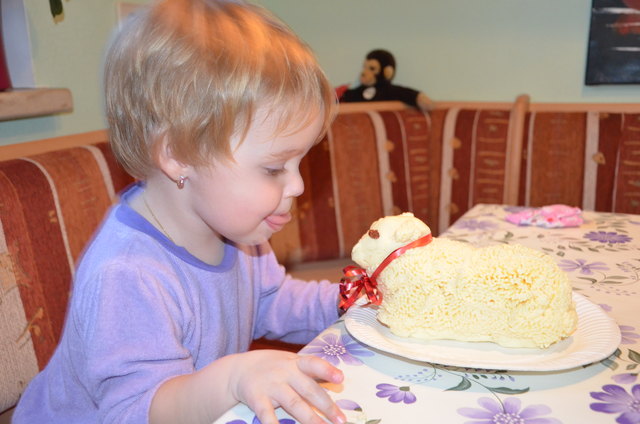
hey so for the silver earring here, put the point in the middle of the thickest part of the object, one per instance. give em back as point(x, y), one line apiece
point(180, 182)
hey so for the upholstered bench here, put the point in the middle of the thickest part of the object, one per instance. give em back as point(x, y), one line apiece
point(50, 205)
point(377, 159)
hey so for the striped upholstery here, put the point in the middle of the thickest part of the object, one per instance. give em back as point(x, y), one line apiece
point(438, 166)
point(370, 164)
point(50, 204)
point(615, 155)
point(383, 162)
point(475, 153)
point(586, 159)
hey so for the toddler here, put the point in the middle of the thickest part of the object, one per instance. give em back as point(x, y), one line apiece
point(211, 105)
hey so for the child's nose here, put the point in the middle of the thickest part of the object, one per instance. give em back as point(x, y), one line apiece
point(295, 185)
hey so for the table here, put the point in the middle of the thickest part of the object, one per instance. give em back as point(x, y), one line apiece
point(602, 259)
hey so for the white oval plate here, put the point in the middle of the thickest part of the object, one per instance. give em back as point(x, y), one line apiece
point(596, 337)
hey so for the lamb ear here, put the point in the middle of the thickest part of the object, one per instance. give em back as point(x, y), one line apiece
point(406, 232)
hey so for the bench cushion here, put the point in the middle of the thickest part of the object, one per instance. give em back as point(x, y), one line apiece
point(50, 205)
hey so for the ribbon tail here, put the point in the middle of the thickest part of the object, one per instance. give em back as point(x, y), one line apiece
point(353, 284)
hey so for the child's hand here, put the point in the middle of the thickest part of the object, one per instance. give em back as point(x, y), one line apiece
point(266, 379)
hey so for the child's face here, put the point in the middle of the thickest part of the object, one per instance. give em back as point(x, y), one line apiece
point(246, 201)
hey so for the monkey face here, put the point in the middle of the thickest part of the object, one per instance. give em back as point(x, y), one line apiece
point(370, 71)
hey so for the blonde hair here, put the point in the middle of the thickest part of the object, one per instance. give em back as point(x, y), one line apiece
point(196, 71)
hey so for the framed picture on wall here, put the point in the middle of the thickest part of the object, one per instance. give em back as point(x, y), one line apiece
point(614, 43)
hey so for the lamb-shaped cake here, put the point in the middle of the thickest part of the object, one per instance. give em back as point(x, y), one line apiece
point(445, 289)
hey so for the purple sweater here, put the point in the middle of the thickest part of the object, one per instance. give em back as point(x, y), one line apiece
point(144, 310)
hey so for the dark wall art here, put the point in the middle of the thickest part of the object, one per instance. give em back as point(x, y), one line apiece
point(614, 43)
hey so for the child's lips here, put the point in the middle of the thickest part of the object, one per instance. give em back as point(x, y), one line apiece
point(276, 222)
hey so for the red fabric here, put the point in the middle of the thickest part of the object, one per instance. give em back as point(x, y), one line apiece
point(5, 79)
point(610, 133)
point(38, 196)
point(316, 206)
point(492, 131)
point(627, 193)
point(421, 160)
point(461, 164)
point(340, 90)
point(355, 160)
point(556, 154)
point(397, 150)
point(37, 252)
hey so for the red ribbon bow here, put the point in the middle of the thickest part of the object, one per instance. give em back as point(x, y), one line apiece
point(356, 279)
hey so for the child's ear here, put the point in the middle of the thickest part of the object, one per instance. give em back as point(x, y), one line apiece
point(166, 160)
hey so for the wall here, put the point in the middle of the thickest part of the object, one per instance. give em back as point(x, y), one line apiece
point(489, 50)
point(67, 54)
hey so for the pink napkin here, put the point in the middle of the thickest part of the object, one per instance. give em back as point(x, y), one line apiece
point(552, 216)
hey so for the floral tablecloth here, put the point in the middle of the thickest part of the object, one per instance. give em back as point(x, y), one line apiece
point(602, 258)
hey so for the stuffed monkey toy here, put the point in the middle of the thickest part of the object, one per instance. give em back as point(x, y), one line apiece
point(378, 70)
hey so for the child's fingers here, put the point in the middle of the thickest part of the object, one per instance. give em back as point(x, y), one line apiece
point(291, 382)
point(297, 399)
point(312, 392)
point(264, 410)
point(297, 402)
point(319, 368)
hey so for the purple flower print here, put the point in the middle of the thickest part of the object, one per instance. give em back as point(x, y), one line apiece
point(494, 412)
point(606, 307)
point(395, 394)
point(475, 224)
point(354, 412)
point(257, 421)
point(580, 264)
point(349, 405)
point(625, 378)
point(607, 237)
point(332, 349)
point(628, 336)
point(615, 399)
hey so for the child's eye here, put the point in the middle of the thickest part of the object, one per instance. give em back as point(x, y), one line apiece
point(274, 172)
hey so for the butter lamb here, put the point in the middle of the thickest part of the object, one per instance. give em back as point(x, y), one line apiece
point(508, 294)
